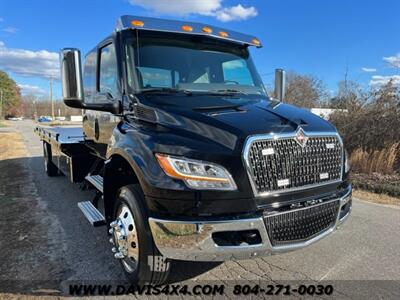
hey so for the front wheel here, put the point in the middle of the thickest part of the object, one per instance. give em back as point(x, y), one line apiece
point(132, 239)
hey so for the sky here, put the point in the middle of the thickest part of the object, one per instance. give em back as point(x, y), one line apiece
point(320, 38)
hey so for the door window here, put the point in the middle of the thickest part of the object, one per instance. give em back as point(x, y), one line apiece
point(89, 75)
point(108, 79)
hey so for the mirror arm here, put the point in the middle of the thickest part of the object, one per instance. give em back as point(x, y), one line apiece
point(114, 108)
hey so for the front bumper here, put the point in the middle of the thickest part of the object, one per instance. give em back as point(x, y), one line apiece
point(195, 240)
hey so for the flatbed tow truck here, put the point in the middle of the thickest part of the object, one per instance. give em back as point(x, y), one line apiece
point(189, 156)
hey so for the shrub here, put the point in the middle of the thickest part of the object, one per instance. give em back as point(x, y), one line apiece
point(377, 183)
point(384, 161)
point(371, 127)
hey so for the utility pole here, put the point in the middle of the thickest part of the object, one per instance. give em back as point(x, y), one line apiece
point(51, 97)
point(34, 110)
point(1, 104)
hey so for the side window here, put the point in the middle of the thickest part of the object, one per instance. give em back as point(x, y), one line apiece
point(89, 75)
point(236, 71)
point(108, 75)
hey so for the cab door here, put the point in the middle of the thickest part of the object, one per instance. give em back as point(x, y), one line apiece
point(102, 124)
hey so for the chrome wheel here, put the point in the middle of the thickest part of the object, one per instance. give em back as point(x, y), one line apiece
point(125, 239)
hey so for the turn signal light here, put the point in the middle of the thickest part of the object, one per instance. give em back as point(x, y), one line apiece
point(137, 23)
point(187, 28)
point(207, 30)
point(223, 34)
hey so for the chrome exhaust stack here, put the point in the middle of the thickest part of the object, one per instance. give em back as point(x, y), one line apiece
point(280, 84)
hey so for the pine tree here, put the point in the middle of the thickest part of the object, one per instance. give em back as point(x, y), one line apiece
point(11, 95)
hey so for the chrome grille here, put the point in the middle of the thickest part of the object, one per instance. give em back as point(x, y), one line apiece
point(285, 165)
point(301, 225)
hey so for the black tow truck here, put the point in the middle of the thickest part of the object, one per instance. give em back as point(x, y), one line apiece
point(189, 156)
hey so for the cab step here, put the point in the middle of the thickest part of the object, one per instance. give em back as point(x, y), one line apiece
point(92, 214)
point(96, 181)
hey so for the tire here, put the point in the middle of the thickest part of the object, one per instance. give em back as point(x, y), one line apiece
point(149, 266)
point(50, 168)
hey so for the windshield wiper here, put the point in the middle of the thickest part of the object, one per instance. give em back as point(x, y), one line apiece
point(228, 92)
point(158, 90)
point(164, 90)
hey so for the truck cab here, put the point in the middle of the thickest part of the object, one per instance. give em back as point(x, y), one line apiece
point(191, 156)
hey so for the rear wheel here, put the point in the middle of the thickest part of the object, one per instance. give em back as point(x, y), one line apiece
point(132, 239)
point(50, 168)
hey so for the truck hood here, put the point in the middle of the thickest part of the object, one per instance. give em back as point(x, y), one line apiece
point(228, 125)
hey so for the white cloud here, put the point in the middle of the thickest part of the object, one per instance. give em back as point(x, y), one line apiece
point(10, 29)
point(31, 89)
point(236, 13)
point(394, 61)
point(379, 80)
point(369, 70)
point(179, 7)
point(212, 8)
point(23, 62)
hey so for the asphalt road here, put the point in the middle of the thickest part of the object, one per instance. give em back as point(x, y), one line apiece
point(57, 243)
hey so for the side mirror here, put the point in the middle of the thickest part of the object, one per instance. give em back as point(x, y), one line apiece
point(72, 84)
point(280, 78)
point(71, 77)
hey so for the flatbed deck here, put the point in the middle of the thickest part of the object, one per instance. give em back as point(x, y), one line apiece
point(61, 135)
point(68, 150)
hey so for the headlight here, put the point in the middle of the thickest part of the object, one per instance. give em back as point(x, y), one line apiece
point(197, 174)
point(346, 162)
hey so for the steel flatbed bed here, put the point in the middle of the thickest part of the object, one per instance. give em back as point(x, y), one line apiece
point(62, 135)
point(67, 150)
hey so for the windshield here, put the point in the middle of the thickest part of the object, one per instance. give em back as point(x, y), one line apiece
point(192, 64)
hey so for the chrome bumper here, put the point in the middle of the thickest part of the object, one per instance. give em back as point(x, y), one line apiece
point(192, 240)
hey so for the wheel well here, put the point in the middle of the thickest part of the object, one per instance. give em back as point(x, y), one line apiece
point(118, 173)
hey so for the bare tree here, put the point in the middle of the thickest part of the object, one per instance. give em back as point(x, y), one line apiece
point(350, 96)
point(305, 90)
point(32, 106)
point(372, 119)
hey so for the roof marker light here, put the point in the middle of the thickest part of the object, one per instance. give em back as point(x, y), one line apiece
point(207, 30)
point(223, 34)
point(137, 23)
point(187, 28)
point(256, 42)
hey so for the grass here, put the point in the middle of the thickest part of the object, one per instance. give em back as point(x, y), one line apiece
point(2, 124)
point(375, 173)
point(384, 161)
point(11, 146)
point(376, 198)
